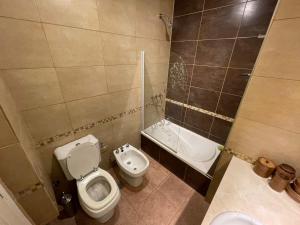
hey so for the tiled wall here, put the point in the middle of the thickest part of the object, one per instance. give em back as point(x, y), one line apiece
point(21, 168)
point(217, 42)
point(72, 67)
point(268, 121)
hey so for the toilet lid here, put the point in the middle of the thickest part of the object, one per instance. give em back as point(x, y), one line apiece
point(83, 159)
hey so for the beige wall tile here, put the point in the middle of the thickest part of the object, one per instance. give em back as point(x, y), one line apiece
point(33, 87)
point(7, 136)
point(119, 49)
point(117, 16)
point(32, 204)
point(47, 121)
point(15, 169)
point(23, 45)
point(275, 102)
point(103, 133)
point(156, 74)
point(9, 108)
point(75, 13)
point(82, 82)
point(148, 23)
point(88, 110)
point(122, 77)
point(257, 139)
point(124, 100)
point(156, 51)
point(21, 9)
point(166, 7)
point(280, 54)
point(74, 47)
point(127, 130)
point(288, 9)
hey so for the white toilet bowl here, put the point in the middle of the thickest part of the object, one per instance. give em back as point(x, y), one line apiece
point(98, 192)
point(133, 164)
point(98, 195)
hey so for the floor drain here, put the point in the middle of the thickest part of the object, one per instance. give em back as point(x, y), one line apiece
point(134, 168)
point(128, 163)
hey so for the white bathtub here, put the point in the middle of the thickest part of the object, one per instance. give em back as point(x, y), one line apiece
point(195, 150)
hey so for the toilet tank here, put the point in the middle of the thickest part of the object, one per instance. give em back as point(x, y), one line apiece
point(62, 153)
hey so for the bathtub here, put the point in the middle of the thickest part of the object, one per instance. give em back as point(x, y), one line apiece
point(198, 152)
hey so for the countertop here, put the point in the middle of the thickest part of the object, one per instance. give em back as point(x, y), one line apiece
point(243, 191)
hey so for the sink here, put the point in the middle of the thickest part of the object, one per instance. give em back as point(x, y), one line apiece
point(234, 218)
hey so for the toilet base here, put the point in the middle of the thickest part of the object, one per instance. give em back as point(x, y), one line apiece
point(133, 181)
point(106, 217)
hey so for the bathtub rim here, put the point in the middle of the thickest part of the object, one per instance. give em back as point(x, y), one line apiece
point(166, 148)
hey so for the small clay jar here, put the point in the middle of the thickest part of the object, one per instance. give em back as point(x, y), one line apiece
point(283, 176)
point(297, 185)
point(264, 167)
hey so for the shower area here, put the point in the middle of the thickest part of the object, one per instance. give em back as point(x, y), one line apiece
point(187, 117)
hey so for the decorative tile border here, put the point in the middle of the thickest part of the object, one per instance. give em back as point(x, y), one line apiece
point(238, 155)
point(29, 190)
point(200, 110)
point(88, 126)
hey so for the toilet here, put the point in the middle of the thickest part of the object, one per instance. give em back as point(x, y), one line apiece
point(98, 192)
point(133, 164)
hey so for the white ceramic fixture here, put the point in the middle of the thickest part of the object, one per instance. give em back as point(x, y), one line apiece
point(234, 218)
point(97, 190)
point(133, 164)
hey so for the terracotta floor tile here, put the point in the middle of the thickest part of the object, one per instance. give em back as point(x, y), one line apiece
point(137, 198)
point(67, 221)
point(124, 215)
point(157, 174)
point(156, 210)
point(176, 190)
point(193, 212)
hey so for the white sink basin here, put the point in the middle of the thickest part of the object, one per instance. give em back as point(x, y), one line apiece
point(234, 218)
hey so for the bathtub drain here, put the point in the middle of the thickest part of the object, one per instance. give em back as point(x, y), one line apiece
point(128, 163)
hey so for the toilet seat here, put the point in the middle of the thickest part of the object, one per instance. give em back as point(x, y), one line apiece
point(86, 198)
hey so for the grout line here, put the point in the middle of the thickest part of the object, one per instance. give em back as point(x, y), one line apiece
point(206, 10)
point(228, 64)
point(195, 56)
point(215, 39)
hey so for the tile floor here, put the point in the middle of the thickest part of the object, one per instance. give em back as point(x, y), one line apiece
point(163, 200)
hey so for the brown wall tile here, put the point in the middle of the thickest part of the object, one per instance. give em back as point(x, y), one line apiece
point(210, 78)
point(221, 128)
point(203, 98)
point(228, 105)
point(256, 23)
point(198, 120)
point(186, 27)
point(214, 52)
point(183, 7)
point(218, 3)
point(174, 111)
point(236, 81)
point(245, 52)
point(221, 22)
point(186, 50)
